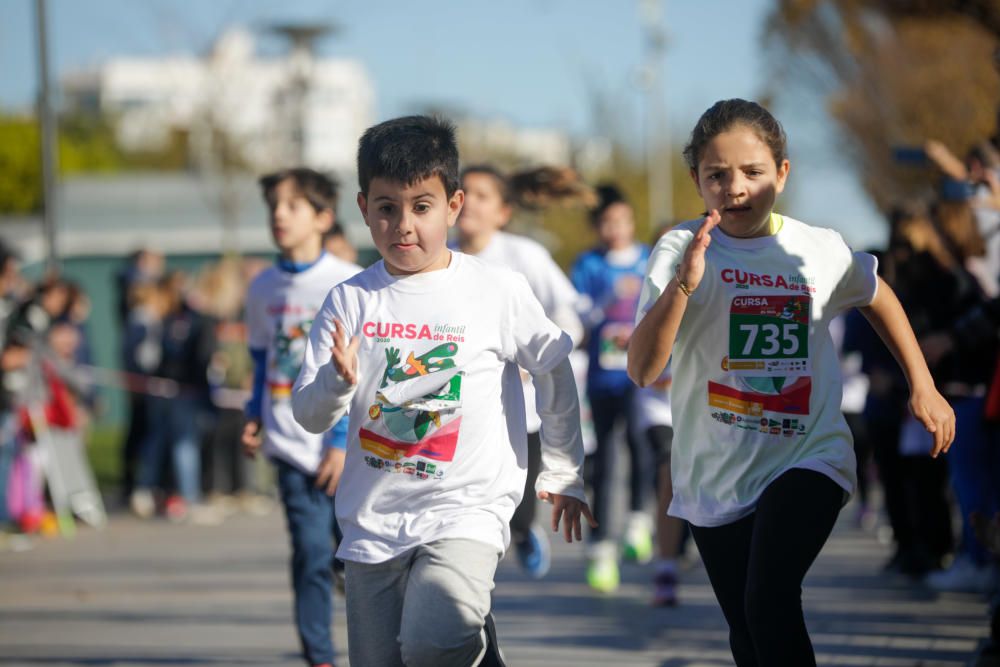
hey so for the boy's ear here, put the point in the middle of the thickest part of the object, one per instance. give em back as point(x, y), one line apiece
point(363, 206)
point(326, 219)
point(455, 206)
point(507, 212)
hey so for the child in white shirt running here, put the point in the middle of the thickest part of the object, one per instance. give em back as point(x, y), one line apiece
point(280, 308)
point(488, 208)
point(762, 459)
point(424, 347)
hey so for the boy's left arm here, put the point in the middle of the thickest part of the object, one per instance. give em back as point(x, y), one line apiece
point(887, 317)
point(561, 478)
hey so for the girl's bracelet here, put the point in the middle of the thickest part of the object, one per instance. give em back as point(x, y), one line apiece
point(683, 285)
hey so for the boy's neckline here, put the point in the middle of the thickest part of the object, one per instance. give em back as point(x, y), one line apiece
point(421, 282)
point(289, 266)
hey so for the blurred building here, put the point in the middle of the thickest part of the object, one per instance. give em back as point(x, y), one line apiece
point(268, 107)
point(481, 139)
point(500, 141)
point(177, 213)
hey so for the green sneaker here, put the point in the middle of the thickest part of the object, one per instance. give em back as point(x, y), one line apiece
point(602, 571)
point(637, 544)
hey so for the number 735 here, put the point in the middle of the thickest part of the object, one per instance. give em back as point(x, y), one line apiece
point(776, 339)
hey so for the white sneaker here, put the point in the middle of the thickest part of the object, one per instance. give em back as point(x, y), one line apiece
point(142, 503)
point(637, 543)
point(964, 576)
point(201, 514)
point(602, 569)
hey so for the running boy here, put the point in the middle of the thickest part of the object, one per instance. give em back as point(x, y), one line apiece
point(762, 459)
point(281, 306)
point(424, 346)
point(489, 205)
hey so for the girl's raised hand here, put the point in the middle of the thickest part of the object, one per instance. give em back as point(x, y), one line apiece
point(344, 355)
point(692, 267)
point(934, 412)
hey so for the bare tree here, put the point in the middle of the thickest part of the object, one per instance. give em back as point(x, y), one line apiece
point(892, 73)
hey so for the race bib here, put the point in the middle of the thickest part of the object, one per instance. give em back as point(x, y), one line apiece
point(769, 335)
point(613, 345)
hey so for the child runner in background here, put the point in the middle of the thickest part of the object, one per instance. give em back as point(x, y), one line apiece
point(654, 421)
point(425, 347)
point(489, 205)
point(742, 300)
point(281, 307)
point(609, 277)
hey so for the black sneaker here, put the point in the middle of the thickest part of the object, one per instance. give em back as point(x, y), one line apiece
point(339, 577)
point(493, 656)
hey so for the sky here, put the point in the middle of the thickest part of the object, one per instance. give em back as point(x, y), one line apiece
point(537, 63)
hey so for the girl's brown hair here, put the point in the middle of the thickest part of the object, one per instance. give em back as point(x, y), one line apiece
point(726, 114)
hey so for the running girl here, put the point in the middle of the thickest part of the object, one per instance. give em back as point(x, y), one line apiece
point(762, 460)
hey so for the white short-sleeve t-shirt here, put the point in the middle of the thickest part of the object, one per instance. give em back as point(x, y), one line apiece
point(756, 380)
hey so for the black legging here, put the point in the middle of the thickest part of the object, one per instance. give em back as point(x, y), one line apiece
point(524, 515)
point(757, 564)
point(607, 410)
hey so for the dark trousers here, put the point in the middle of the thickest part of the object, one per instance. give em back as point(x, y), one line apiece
point(131, 448)
point(312, 528)
point(756, 566)
point(915, 490)
point(229, 471)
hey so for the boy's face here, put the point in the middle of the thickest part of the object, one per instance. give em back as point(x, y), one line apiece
point(295, 224)
point(616, 227)
point(409, 223)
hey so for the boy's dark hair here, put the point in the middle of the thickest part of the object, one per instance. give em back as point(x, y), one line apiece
point(335, 231)
point(501, 181)
point(726, 114)
point(319, 189)
point(7, 254)
point(407, 150)
point(608, 195)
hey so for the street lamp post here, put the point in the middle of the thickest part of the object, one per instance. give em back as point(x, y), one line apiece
point(47, 123)
point(659, 178)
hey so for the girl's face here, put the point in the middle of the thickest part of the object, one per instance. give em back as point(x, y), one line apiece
point(484, 211)
point(616, 226)
point(737, 176)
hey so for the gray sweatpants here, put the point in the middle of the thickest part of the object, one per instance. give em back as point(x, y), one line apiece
point(423, 608)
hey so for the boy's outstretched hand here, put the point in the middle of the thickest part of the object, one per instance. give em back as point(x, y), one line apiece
point(344, 355)
point(568, 509)
point(933, 411)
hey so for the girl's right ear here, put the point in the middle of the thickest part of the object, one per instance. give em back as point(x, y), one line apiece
point(694, 177)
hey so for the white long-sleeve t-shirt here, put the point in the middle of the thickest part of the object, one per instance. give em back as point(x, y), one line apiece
point(437, 446)
point(280, 310)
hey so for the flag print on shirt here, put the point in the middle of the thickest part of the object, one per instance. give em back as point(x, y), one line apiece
point(414, 421)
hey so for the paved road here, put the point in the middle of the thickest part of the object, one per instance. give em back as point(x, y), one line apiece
point(164, 595)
